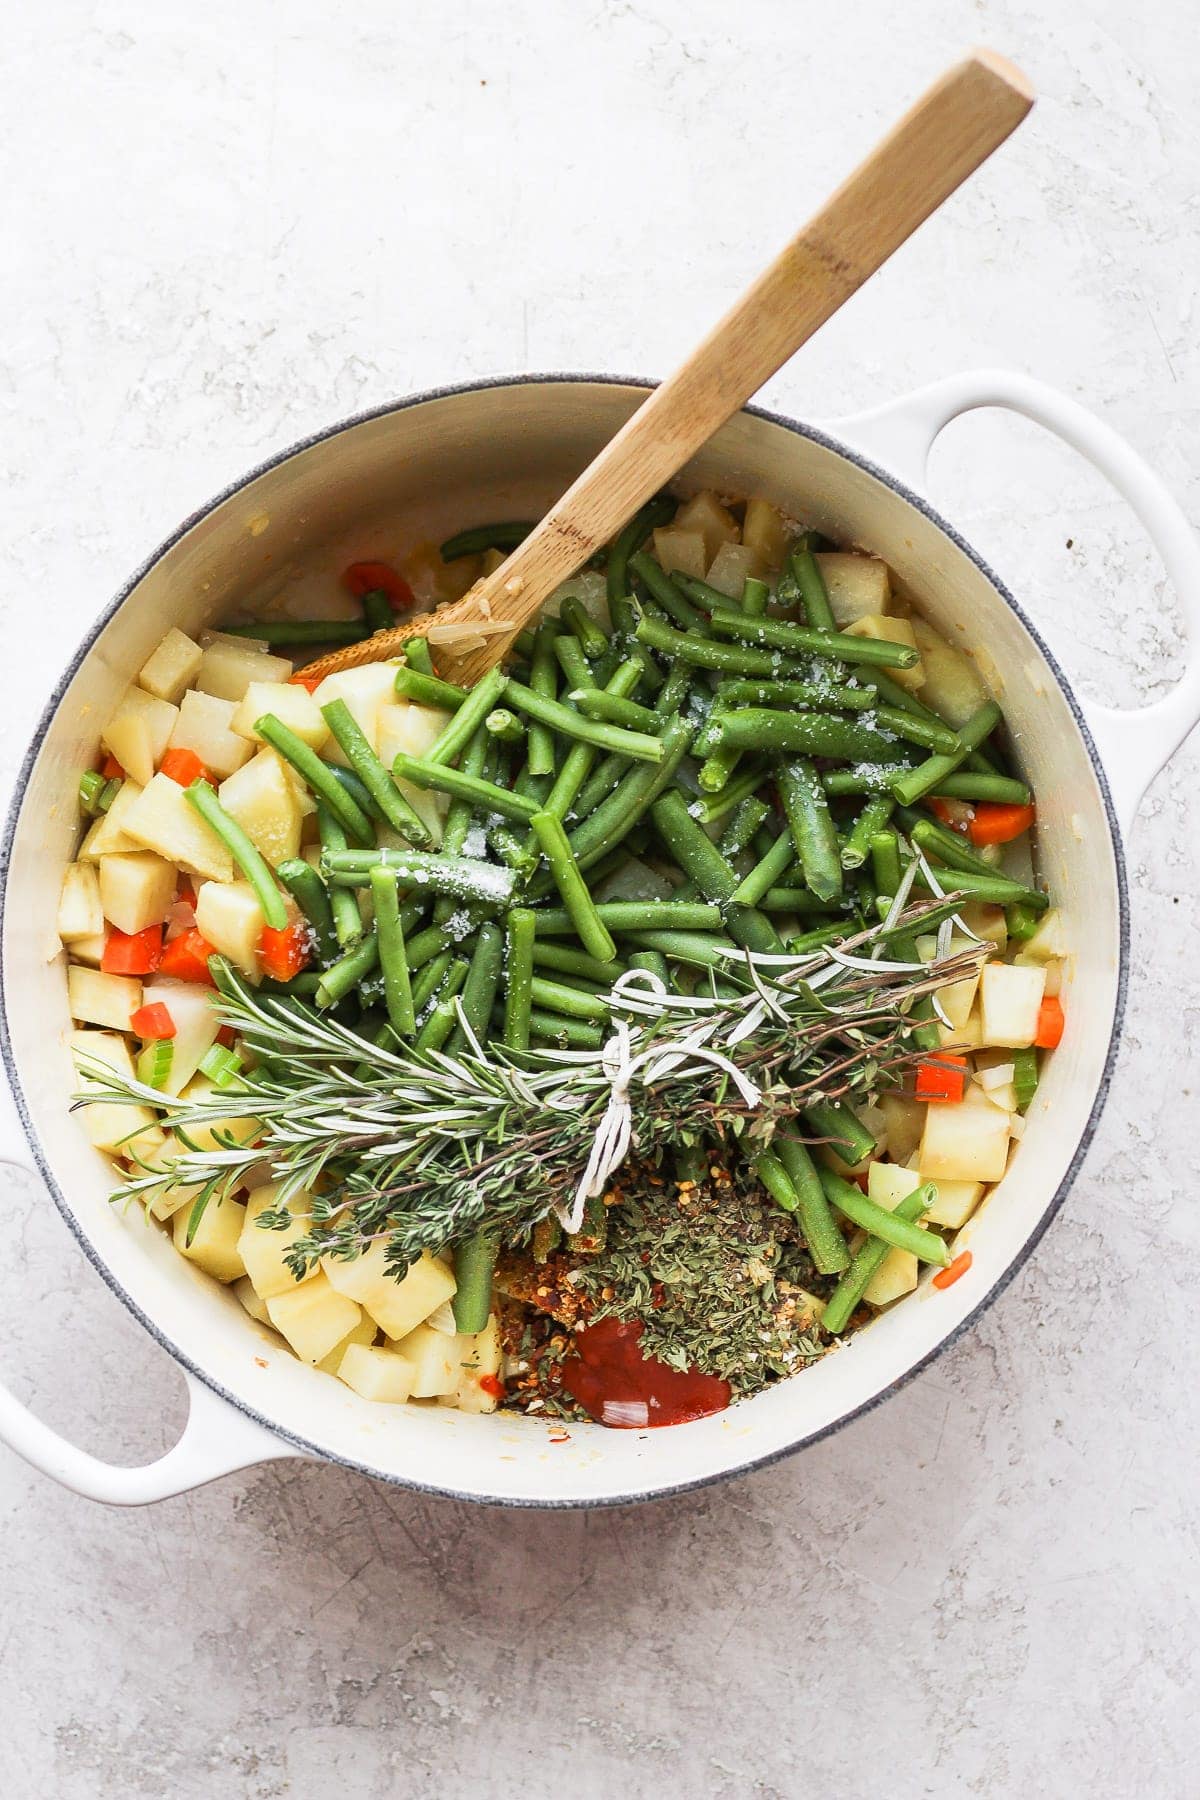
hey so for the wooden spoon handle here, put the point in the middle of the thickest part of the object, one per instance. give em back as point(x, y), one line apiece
point(950, 131)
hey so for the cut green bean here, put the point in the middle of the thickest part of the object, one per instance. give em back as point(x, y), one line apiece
point(837, 1122)
point(970, 785)
point(443, 1017)
point(927, 777)
point(302, 631)
point(822, 1234)
point(867, 778)
point(356, 748)
point(706, 653)
point(872, 819)
point(1025, 1076)
point(599, 784)
point(428, 690)
point(653, 962)
point(666, 592)
point(949, 847)
point(595, 703)
point(377, 611)
point(639, 746)
point(520, 929)
point(615, 817)
point(809, 734)
point(474, 1263)
point(459, 819)
point(577, 670)
point(347, 919)
point(895, 1230)
point(812, 829)
point(416, 656)
point(503, 534)
point(462, 877)
point(393, 961)
point(848, 1293)
point(885, 862)
point(930, 734)
point(1020, 921)
point(201, 796)
point(564, 1033)
point(481, 986)
point(699, 858)
point(635, 915)
point(467, 719)
point(707, 808)
point(810, 583)
point(593, 934)
point(783, 694)
point(349, 781)
point(343, 976)
point(767, 871)
point(309, 892)
point(627, 542)
point(543, 683)
point(572, 1002)
point(483, 796)
point(993, 889)
point(565, 961)
point(801, 640)
point(318, 775)
point(700, 949)
point(430, 980)
point(580, 623)
point(744, 822)
point(577, 763)
point(505, 726)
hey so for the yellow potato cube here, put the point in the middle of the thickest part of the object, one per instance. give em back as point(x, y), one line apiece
point(214, 1246)
point(205, 726)
point(681, 551)
point(263, 1251)
point(313, 1318)
point(411, 729)
point(364, 1333)
point(965, 1142)
point(138, 733)
point(732, 567)
point(229, 915)
point(88, 949)
point(108, 836)
point(80, 914)
point(364, 690)
point(478, 1357)
point(888, 630)
point(954, 1203)
point(763, 530)
point(97, 999)
point(896, 1275)
point(292, 704)
point(136, 889)
point(172, 668)
point(1010, 999)
point(381, 1375)
point(904, 1121)
point(434, 1359)
point(108, 1124)
point(229, 665)
point(396, 1306)
point(262, 798)
point(245, 1291)
point(161, 819)
point(858, 586)
point(239, 1129)
point(715, 523)
point(953, 685)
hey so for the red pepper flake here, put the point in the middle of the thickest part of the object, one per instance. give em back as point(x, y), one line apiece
point(492, 1386)
point(947, 1277)
point(561, 1438)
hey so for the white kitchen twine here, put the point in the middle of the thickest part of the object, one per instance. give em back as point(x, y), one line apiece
point(615, 1130)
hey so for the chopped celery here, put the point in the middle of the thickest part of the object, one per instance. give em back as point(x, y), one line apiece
point(1025, 1076)
point(154, 1063)
point(220, 1065)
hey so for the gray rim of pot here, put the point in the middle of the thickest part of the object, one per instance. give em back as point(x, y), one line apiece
point(753, 1462)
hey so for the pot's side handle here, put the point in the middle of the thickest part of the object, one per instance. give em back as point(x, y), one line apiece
point(216, 1440)
point(1134, 745)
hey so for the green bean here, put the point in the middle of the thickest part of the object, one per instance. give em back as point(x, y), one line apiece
point(593, 934)
point(885, 862)
point(673, 692)
point(873, 817)
point(639, 746)
point(577, 670)
point(782, 694)
point(461, 815)
point(811, 826)
point(462, 877)
point(615, 817)
point(1020, 921)
point(890, 1226)
point(931, 734)
point(572, 1002)
point(801, 640)
point(303, 986)
point(443, 1018)
point(635, 915)
point(503, 535)
point(950, 847)
point(595, 703)
point(318, 775)
point(468, 718)
point(482, 796)
point(927, 777)
point(707, 808)
point(347, 919)
point(814, 595)
point(666, 592)
point(517, 851)
point(755, 595)
point(718, 765)
point(566, 1034)
point(654, 963)
point(504, 726)
point(481, 986)
point(355, 746)
point(992, 889)
point(810, 734)
point(543, 681)
point(342, 977)
point(565, 961)
point(377, 611)
point(425, 945)
point(600, 784)
point(867, 778)
point(628, 540)
point(202, 798)
point(809, 941)
point(746, 819)
point(430, 980)
point(428, 690)
point(302, 631)
point(91, 786)
point(703, 950)
point(826, 1245)
point(708, 598)
point(768, 870)
point(849, 1291)
point(800, 900)
point(520, 929)
point(579, 621)
point(349, 782)
point(416, 656)
point(309, 892)
point(837, 1121)
point(1025, 1076)
point(578, 761)
point(775, 1179)
point(474, 1263)
point(699, 857)
point(393, 962)
point(707, 653)
point(967, 785)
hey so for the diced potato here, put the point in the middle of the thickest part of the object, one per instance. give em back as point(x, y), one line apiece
point(889, 630)
point(967, 1036)
point(229, 915)
point(954, 1203)
point(228, 666)
point(764, 530)
point(396, 1306)
point(313, 1317)
point(164, 1157)
point(262, 798)
point(194, 1016)
point(590, 588)
point(246, 1292)
point(904, 1120)
point(887, 1185)
point(136, 889)
point(405, 727)
point(953, 685)
point(434, 1359)
point(172, 668)
point(478, 1356)
point(241, 1129)
point(108, 836)
point(107, 1124)
point(290, 703)
point(382, 1375)
point(956, 998)
point(364, 690)
point(214, 1246)
point(1004, 1095)
point(732, 566)
point(987, 922)
point(263, 1251)
point(965, 1142)
point(97, 999)
point(161, 819)
point(681, 550)
point(89, 949)
point(138, 733)
point(858, 586)
point(363, 1333)
point(715, 523)
point(80, 914)
point(205, 726)
point(1049, 940)
point(1009, 1001)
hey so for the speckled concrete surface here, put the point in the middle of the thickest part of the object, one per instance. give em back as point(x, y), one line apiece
point(226, 225)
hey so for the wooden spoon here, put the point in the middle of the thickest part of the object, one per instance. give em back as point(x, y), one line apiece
point(951, 130)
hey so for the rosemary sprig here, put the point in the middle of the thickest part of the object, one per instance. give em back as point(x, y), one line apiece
point(422, 1149)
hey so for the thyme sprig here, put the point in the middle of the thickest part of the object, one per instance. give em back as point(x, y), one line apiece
point(420, 1149)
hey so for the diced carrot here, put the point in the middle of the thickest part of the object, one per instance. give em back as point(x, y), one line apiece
point(1051, 1021)
point(309, 682)
point(136, 954)
point(186, 958)
point(953, 1271)
point(942, 1078)
point(952, 813)
point(284, 953)
point(227, 1037)
point(152, 1022)
point(111, 769)
point(183, 766)
point(365, 577)
point(994, 824)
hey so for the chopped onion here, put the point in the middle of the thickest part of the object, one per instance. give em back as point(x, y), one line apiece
point(181, 918)
point(443, 1320)
point(999, 1076)
point(1016, 1126)
point(625, 1412)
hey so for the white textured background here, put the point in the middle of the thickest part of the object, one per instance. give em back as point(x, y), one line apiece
point(224, 225)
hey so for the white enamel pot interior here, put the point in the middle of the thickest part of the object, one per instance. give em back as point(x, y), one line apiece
point(417, 471)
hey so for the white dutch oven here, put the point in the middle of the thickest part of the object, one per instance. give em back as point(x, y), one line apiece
point(421, 469)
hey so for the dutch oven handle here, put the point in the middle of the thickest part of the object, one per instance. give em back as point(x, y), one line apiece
point(1136, 744)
